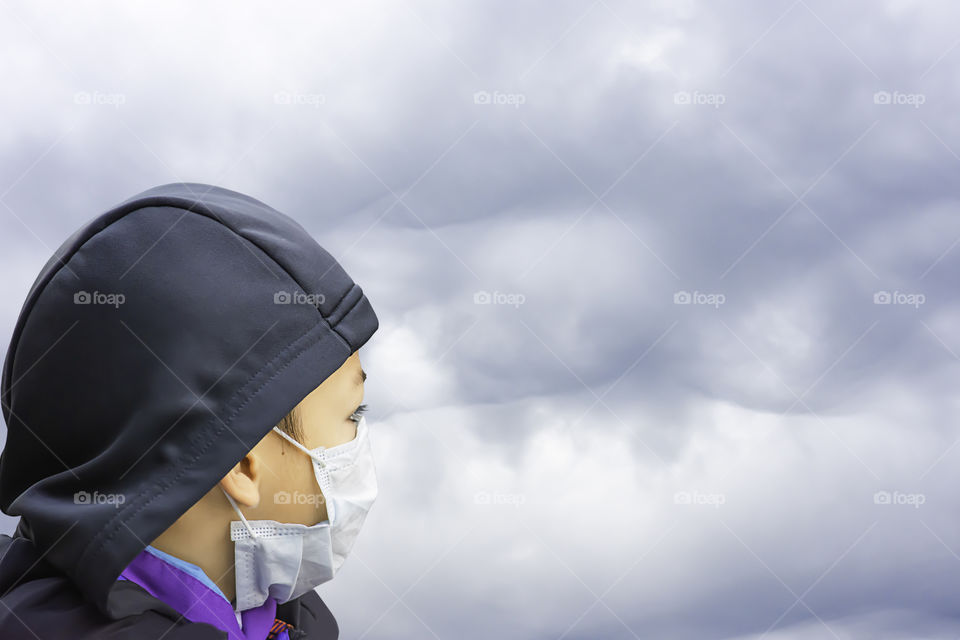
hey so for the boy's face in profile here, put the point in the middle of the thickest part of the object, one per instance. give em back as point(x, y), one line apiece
point(288, 490)
point(274, 481)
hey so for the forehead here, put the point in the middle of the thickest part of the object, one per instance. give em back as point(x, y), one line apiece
point(352, 369)
point(340, 388)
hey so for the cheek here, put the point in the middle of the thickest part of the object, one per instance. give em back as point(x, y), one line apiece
point(306, 503)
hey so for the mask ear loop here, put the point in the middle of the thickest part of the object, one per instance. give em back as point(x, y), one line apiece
point(239, 513)
point(321, 462)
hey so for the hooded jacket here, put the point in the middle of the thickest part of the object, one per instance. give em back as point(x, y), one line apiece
point(158, 345)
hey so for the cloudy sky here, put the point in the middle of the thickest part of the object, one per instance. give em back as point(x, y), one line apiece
point(669, 339)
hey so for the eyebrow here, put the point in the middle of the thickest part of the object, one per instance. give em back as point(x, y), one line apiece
point(362, 377)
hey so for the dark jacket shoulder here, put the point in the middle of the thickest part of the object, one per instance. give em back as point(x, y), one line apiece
point(39, 603)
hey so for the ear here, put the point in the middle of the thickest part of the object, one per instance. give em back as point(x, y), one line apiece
point(243, 481)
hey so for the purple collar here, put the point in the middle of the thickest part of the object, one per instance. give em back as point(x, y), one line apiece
point(195, 600)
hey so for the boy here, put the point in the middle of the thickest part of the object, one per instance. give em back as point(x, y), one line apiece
point(186, 448)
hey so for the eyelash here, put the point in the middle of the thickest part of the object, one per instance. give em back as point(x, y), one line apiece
point(355, 416)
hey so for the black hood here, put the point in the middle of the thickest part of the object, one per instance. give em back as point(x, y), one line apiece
point(159, 344)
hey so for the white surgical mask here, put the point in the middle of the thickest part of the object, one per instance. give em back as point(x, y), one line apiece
point(286, 560)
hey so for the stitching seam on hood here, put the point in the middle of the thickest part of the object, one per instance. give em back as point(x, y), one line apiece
point(174, 202)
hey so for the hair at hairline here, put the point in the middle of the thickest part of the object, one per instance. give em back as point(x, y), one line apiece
point(291, 425)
